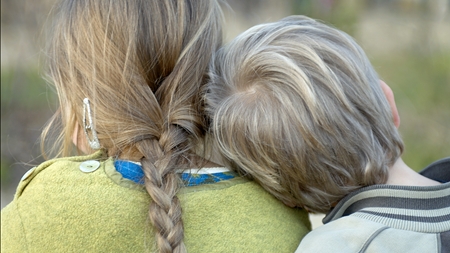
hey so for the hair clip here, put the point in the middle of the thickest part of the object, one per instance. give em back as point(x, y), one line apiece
point(89, 126)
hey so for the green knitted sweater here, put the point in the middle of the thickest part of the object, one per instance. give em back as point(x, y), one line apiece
point(59, 208)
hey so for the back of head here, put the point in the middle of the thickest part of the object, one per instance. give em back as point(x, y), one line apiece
point(141, 64)
point(296, 105)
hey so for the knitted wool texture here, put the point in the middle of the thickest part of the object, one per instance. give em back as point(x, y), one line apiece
point(58, 208)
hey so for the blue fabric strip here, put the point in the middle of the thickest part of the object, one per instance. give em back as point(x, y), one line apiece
point(133, 172)
point(130, 171)
point(197, 179)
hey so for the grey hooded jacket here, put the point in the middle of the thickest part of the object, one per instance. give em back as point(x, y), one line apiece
point(388, 219)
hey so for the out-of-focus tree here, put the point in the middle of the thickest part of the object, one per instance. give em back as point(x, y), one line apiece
point(340, 13)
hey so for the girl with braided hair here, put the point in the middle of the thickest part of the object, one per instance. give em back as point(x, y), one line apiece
point(128, 76)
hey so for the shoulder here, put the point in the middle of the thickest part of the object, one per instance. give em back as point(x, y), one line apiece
point(74, 194)
point(246, 198)
point(80, 181)
point(238, 215)
point(347, 234)
point(56, 170)
point(439, 170)
point(67, 173)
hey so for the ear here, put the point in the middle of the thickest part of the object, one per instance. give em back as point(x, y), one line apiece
point(391, 100)
point(78, 140)
point(76, 130)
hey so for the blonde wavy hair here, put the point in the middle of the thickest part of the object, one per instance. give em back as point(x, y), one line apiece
point(296, 105)
point(142, 64)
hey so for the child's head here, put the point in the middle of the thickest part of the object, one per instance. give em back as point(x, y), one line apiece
point(141, 64)
point(297, 105)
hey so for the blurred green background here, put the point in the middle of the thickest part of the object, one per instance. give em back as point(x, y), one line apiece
point(408, 42)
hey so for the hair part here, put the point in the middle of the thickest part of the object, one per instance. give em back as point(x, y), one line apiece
point(141, 64)
point(296, 105)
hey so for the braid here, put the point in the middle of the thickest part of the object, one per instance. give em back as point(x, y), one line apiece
point(162, 184)
point(181, 125)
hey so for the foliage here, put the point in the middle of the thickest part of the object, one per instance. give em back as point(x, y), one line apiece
point(421, 84)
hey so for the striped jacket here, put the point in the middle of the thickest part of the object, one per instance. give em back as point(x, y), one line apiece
point(387, 218)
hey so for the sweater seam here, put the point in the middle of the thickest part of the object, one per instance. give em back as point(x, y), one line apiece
point(371, 238)
point(22, 226)
point(438, 243)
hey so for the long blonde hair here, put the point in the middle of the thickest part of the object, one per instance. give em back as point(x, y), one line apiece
point(141, 63)
point(296, 105)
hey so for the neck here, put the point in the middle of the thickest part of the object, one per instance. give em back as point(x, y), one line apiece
point(401, 174)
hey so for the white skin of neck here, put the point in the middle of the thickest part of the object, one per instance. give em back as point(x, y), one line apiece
point(400, 173)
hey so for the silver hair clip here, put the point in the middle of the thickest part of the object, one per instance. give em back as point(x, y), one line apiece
point(94, 143)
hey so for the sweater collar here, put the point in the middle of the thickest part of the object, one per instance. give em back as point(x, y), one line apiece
point(190, 177)
point(402, 206)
